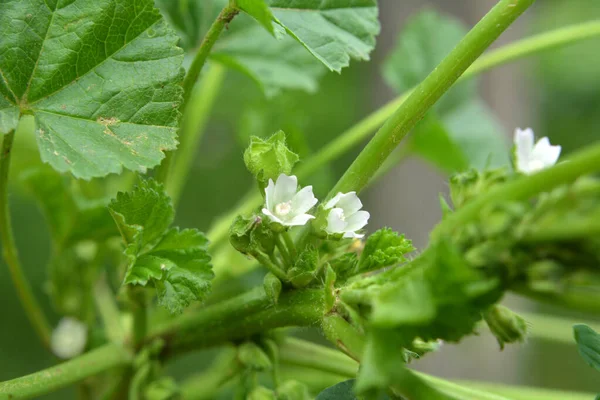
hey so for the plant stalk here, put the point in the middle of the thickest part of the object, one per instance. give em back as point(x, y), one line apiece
point(33, 310)
point(67, 373)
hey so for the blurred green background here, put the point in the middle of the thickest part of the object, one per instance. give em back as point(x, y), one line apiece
point(557, 94)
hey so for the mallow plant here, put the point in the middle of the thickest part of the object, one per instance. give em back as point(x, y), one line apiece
point(117, 95)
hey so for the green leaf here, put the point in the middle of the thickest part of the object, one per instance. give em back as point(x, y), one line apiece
point(104, 91)
point(267, 159)
point(384, 248)
point(332, 31)
point(461, 132)
point(588, 344)
point(144, 214)
point(274, 64)
point(341, 391)
point(259, 10)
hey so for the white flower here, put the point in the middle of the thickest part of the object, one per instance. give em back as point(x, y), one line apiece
point(345, 216)
point(68, 338)
point(530, 158)
point(286, 206)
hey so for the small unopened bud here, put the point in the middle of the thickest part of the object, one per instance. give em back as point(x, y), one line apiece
point(69, 338)
point(507, 326)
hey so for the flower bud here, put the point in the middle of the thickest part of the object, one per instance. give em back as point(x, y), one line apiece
point(68, 338)
point(272, 286)
point(507, 326)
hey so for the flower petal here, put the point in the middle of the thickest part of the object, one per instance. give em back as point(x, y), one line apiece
point(357, 221)
point(303, 201)
point(299, 220)
point(271, 216)
point(350, 203)
point(335, 223)
point(524, 146)
point(285, 188)
point(353, 235)
point(545, 152)
point(270, 194)
point(331, 203)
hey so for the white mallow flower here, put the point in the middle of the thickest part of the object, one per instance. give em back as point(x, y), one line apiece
point(345, 215)
point(530, 158)
point(68, 338)
point(285, 204)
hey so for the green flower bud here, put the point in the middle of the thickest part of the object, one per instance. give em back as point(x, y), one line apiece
point(293, 390)
point(253, 357)
point(262, 393)
point(248, 235)
point(303, 271)
point(266, 159)
point(272, 286)
point(507, 326)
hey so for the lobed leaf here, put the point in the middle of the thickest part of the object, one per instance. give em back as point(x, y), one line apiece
point(101, 79)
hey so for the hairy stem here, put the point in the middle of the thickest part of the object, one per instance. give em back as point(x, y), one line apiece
point(427, 93)
point(193, 124)
point(94, 362)
point(11, 256)
point(360, 131)
point(274, 269)
point(237, 319)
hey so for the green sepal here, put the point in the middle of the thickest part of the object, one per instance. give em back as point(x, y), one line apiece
point(250, 234)
point(383, 248)
point(303, 271)
point(267, 159)
point(293, 390)
point(505, 325)
point(253, 357)
point(262, 393)
point(272, 286)
point(470, 184)
point(164, 388)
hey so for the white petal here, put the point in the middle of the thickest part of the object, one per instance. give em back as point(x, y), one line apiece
point(524, 146)
point(331, 203)
point(353, 235)
point(357, 221)
point(69, 338)
point(269, 194)
point(271, 216)
point(350, 203)
point(303, 201)
point(285, 189)
point(299, 220)
point(335, 223)
point(545, 152)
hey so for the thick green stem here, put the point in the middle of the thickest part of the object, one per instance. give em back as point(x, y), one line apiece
point(427, 93)
point(193, 124)
point(583, 162)
point(237, 319)
point(11, 256)
point(225, 16)
point(65, 374)
point(353, 136)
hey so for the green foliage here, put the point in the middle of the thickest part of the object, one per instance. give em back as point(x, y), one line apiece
point(66, 54)
point(293, 390)
point(383, 248)
point(259, 10)
point(505, 325)
point(251, 235)
point(460, 132)
point(253, 357)
point(164, 388)
point(267, 159)
point(341, 391)
point(273, 287)
point(588, 344)
point(175, 262)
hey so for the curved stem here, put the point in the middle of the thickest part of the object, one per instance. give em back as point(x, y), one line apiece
point(225, 16)
point(65, 374)
point(310, 355)
point(360, 131)
point(193, 124)
point(11, 256)
point(427, 93)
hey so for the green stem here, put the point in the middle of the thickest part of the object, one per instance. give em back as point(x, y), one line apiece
point(427, 93)
point(193, 125)
point(139, 309)
point(109, 311)
point(283, 250)
point(205, 386)
point(512, 392)
point(289, 242)
point(224, 18)
point(353, 136)
point(65, 374)
point(274, 269)
point(310, 355)
point(553, 328)
point(33, 310)
point(583, 162)
point(234, 320)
